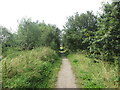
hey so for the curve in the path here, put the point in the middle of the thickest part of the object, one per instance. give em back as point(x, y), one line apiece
point(66, 77)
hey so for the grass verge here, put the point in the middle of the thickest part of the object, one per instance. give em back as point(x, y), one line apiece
point(91, 73)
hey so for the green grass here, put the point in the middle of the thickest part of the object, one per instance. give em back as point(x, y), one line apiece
point(10, 52)
point(93, 75)
point(36, 68)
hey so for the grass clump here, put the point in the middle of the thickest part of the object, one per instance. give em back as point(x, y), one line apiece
point(37, 68)
point(91, 73)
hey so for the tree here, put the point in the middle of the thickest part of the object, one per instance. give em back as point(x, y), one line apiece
point(36, 34)
point(6, 38)
point(78, 29)
point(28, 34)
point(106, 43)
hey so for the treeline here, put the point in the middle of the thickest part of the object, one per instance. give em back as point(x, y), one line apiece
point(31, 35)
point(98, 35)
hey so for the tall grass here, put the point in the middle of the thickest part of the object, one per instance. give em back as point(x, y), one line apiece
point(31, 69)
point(91, 73)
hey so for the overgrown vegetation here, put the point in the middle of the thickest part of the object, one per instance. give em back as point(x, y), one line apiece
point(93, 73)
point(31, 69)
point(35, 34)
point(31, 35)
point(97, 35)
point(30, 57)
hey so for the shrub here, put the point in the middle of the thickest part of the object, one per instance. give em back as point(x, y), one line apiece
point(31, 69)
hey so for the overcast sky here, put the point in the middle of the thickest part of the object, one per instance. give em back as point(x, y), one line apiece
point(51, 11)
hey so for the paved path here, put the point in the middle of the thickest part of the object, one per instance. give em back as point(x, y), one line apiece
point(66, 78)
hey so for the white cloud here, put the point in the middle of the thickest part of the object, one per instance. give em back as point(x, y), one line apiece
point(51, 11)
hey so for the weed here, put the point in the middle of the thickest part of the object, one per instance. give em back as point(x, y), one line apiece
point(36, 68)
point(91, 73)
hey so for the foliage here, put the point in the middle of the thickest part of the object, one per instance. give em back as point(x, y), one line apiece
point(35, 34)
point(6, 38)
point(106, 42)
point(99, 36)
point(30, 35)
point(31, 69)
point(77, 29)
point(26, 63)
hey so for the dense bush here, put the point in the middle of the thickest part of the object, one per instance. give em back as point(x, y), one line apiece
point(35, 34)
point(30, 35)
point(31, 69)
point(26, 62)
point(6, 39)
point(78, 30)
point(99, 36)
point(106, 42)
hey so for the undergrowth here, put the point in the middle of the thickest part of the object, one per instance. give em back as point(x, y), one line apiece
point(36, 68)
point(92, 73)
